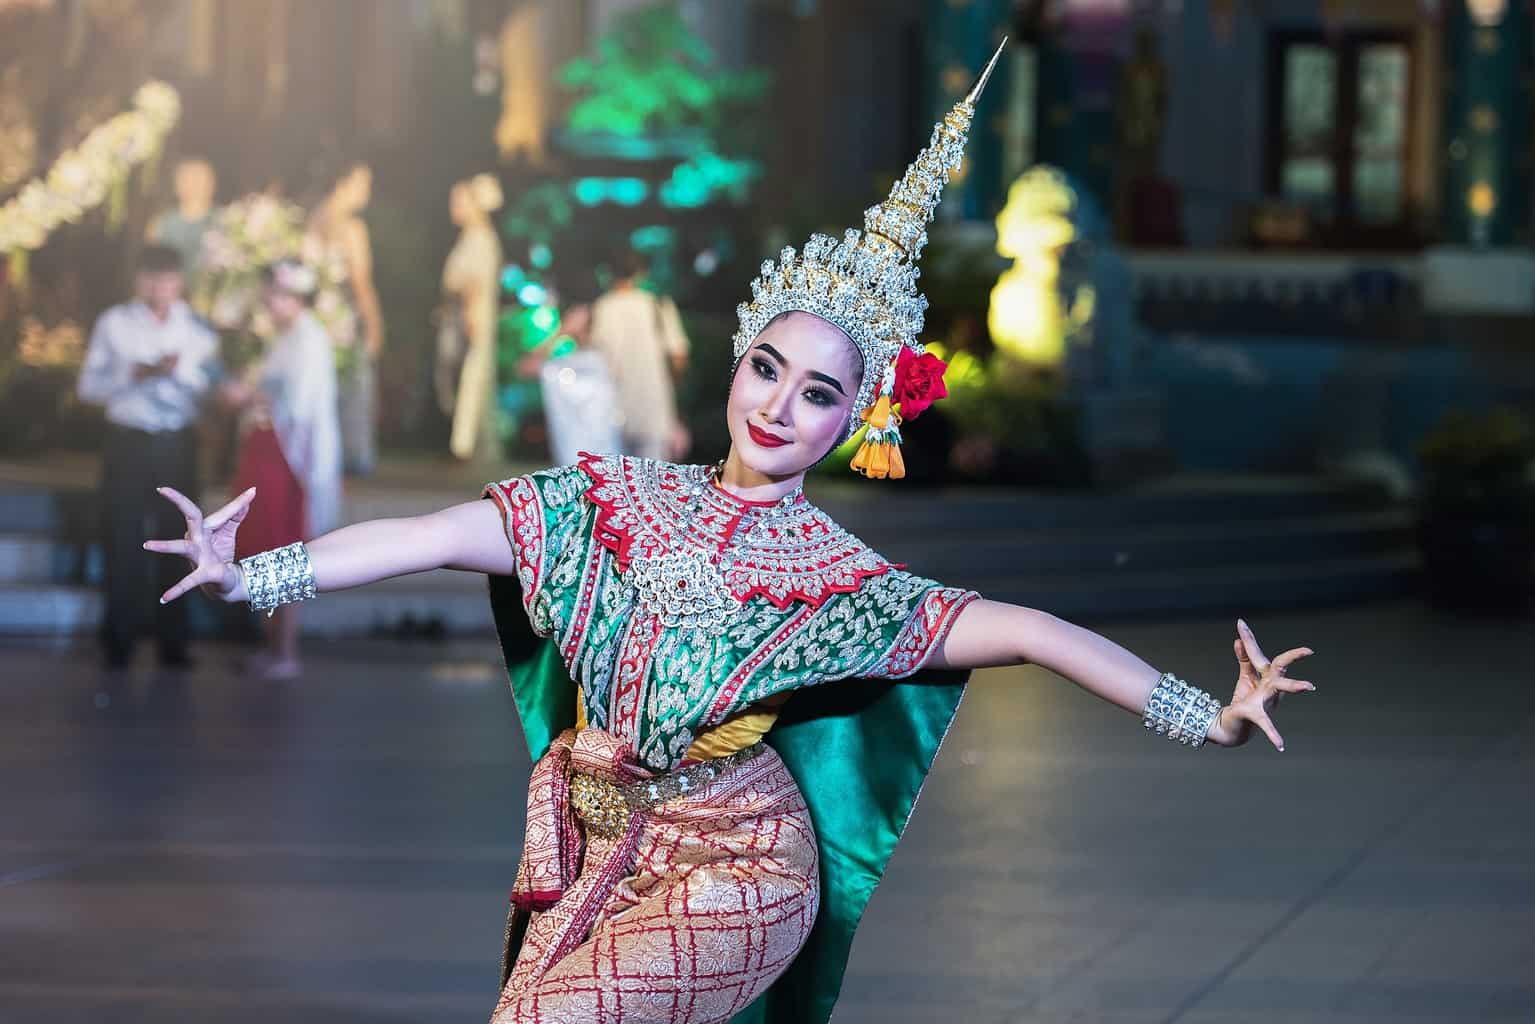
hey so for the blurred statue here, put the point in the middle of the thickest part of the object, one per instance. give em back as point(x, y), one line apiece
point(337, 226)
point(1032, 316)
point(523, 107)
point(466, 340)
point(183, 226)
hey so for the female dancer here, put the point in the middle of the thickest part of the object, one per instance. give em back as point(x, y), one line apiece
point(757, 695)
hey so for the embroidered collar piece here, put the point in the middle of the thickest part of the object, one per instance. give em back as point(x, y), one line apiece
point(784, 552)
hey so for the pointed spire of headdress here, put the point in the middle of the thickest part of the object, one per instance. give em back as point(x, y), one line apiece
point(902, 219)
point(866, 284)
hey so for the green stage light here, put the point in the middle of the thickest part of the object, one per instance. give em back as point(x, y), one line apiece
point(532, 294)
point(512, 277)
point(653, 236)
point(545, 318)
point(627, 191)
point(540, 255)
point(589, 191)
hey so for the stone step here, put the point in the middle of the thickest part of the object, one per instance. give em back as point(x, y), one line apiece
point(457, 602)
point(1229, 589)
point(453, 601)
point(863, 507)
point(33, 558)
point(1113, 549)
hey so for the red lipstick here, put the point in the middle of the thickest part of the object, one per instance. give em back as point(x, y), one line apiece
point(763, 438)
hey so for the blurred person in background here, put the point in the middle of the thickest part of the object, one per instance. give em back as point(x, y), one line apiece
point(182, 226)
point(580, 403)
point(290, 443)
point(466, 341)
point(150, 364)
point(337, 225)
point(640, 336)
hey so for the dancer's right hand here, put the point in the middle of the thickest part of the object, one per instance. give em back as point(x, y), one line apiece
point(209, 544)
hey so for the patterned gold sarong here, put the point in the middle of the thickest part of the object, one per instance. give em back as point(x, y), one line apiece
point(684, 918)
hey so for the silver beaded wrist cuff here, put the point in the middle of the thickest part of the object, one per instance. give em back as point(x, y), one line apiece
point(278, 577)
point(1179, 711)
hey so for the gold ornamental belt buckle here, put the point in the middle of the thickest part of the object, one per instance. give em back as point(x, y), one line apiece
point(600, 805)
point(605, 807)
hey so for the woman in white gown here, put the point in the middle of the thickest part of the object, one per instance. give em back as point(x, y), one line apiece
point(471, 282)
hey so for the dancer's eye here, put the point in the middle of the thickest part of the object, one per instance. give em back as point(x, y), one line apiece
point(819, 397)
point(764, 369)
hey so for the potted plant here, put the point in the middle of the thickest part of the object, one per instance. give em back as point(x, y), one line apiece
point(1476, 528)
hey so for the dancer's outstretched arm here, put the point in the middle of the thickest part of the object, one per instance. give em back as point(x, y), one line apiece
point(467, 536)
point(990, 633)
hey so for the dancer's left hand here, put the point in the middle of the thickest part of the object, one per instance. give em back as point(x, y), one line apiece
point(1260, 685)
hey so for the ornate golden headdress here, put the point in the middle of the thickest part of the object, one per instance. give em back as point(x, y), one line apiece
point(866, 284)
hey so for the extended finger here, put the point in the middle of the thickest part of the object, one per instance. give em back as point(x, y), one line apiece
point(1254, 652)
point(171, 547)
point(223, 515)
point(1293, 685)
point(1261, 720)
point(192, 579)
point(188, 507)
point(1291, 656)
point(1243, 660)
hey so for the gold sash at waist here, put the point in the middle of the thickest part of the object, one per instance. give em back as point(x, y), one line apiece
point(734, 734)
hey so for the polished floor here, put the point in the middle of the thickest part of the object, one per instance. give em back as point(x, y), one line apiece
point(338, 850)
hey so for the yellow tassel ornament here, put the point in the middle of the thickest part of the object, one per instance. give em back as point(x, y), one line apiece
point(879, 457)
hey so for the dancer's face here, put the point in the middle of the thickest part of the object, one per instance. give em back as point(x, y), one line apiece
point(792, 395)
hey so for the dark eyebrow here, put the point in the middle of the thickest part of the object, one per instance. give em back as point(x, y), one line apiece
point(829, 380)
point(770, 350)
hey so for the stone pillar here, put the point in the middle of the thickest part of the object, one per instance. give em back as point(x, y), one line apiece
point(1487, 113)
point(1079, 71)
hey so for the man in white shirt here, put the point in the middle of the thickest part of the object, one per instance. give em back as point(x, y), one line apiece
point(150, 363)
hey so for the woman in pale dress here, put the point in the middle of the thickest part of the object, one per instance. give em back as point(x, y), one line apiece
point(337, 225)
point(471, 283)
point(290, 443)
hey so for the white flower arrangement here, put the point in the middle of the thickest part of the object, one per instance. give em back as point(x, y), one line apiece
point(251, 234)
point(83, 177)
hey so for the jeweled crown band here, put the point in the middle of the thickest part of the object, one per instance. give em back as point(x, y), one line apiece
point(1179, 711)
point(278, 577)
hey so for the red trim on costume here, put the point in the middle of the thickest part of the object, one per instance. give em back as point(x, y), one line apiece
point(635, 653)
point(522, 518)
point(803, 556)
point(924, 631)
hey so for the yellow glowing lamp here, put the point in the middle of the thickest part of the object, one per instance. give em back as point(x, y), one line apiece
point(1026, 318)
point(1482, 199)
